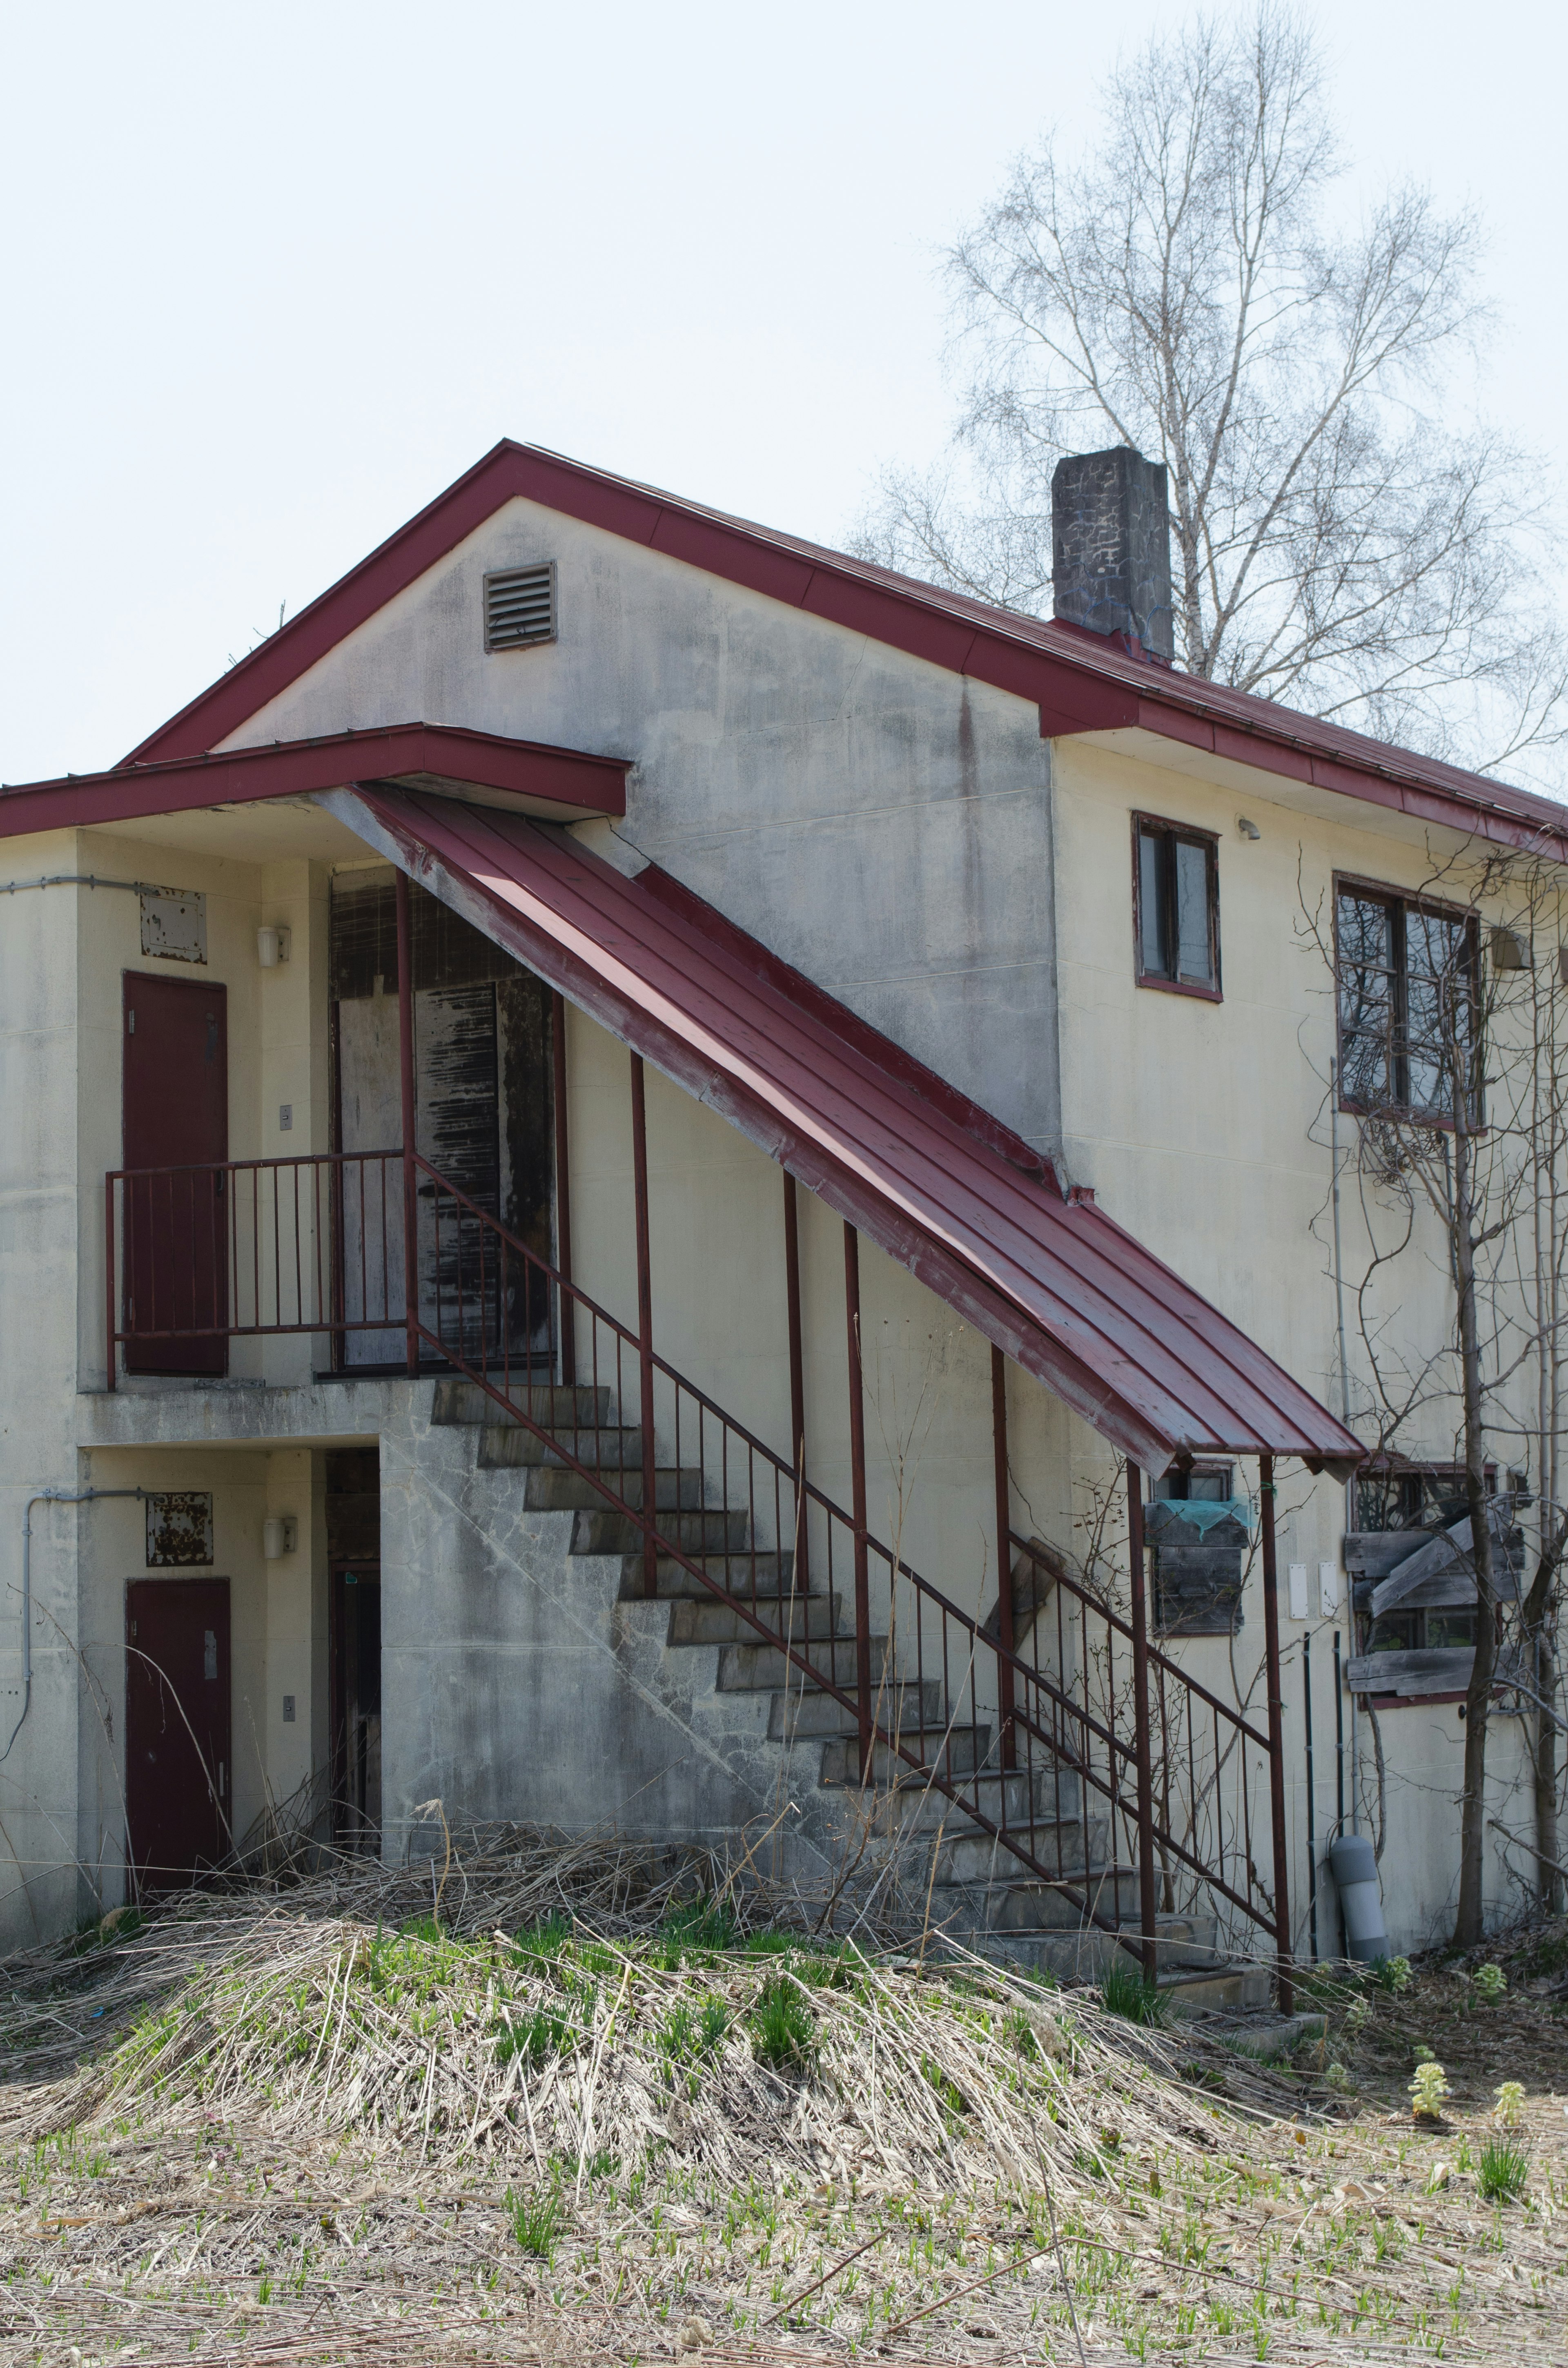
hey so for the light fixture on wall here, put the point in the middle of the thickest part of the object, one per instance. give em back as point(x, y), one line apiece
point(280, 1535)
point(272, 946)
point(1247, 830)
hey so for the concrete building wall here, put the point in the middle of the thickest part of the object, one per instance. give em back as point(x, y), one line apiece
point(882, 823)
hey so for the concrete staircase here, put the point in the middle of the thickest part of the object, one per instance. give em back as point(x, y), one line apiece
point(980, 1894)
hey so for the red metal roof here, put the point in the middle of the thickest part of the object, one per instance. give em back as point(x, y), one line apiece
point(557, 782)
point(952, 1194)
point(1081, 681)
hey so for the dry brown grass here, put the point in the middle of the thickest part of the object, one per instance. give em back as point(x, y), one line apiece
point(274, 2126)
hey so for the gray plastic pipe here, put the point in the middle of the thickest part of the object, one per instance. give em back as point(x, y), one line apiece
point(1355, 1871)
point(45, 1496)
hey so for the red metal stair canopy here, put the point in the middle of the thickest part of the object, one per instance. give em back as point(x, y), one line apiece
point(941, 1186)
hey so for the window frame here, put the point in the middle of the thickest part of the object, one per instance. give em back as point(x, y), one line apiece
point(1177, 833)
point(1399, 902)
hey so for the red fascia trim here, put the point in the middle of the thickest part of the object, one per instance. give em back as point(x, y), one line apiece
point(562, 777)
point(1097, 691)
point(887, 1056)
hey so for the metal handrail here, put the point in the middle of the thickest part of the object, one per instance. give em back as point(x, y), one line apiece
point(481, 1275)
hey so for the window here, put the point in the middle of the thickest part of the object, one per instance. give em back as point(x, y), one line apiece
point(1393, 1495)
point(1175, 882)
point(1450, 1630)
point(1409, 1005)
point(1209, 1484)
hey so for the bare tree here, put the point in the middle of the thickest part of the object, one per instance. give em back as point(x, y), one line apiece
point(1453, 1067)
point(1337, 543)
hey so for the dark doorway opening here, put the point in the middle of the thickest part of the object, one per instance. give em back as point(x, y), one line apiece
point(354, 1565)
point(484, 1112)
point(179, 1721)
point(175, 1116)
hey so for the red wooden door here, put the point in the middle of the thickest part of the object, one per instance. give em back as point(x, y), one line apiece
point(175, 1118)
point(177, 1728)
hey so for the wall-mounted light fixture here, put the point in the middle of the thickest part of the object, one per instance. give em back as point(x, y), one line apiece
point(280, 1535)
point(1247, 830)
point(272, 947)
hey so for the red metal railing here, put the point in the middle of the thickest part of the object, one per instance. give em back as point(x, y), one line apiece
point(241, 1248)
point(1036, 1742)
point(1131, 1802)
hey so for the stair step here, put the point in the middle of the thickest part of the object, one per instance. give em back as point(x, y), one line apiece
point(605, 1531)
point(915, 1807)
point(555, 1404)
point(551, 1490)
point(961, 1751)
point(966, 1858)
point(811, 1712)
point(508, 1447)
point(743, 1573)
point(713, 1622)
point(1063, 1845)
point(754, 1668)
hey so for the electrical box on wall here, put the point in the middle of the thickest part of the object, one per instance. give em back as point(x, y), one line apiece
point(174, 925)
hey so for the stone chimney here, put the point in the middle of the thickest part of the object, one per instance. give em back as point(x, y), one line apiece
point(1110, 547)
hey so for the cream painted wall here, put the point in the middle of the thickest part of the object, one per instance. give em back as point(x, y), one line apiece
point(1205, 1129)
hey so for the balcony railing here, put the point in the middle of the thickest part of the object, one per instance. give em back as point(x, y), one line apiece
point(247, 1248)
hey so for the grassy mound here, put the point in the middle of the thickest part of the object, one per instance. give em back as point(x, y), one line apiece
point(586, 2101)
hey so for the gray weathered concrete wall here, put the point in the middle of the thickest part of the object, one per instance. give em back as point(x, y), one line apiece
point(880, 822)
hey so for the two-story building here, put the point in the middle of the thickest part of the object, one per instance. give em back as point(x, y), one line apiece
point(608, 1127)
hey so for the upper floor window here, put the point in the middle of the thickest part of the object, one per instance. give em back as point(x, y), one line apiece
point(1176, 879)
point(1409, 1003)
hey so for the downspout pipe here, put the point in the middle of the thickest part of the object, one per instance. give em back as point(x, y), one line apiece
point(45, 1496)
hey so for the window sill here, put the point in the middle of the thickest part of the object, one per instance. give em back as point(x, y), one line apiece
point(1180, 986)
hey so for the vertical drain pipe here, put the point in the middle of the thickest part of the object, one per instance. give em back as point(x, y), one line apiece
point(45, 1496)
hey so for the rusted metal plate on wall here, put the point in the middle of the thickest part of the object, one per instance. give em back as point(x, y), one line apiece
point(180, 1530)
point(174, 925)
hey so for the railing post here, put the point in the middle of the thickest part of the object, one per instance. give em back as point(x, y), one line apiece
point(405, 1078)
point(563, 1186)
point(1276, 1735)
point(646, 1327)
point(857, 1498)
point(1141, 1729)
point(801, 1580)
point(109, 1275)
point(1004, 1701)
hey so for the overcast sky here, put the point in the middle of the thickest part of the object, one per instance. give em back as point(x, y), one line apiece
point(274, 276)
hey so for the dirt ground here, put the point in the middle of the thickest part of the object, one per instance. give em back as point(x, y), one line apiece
point(322, 2127)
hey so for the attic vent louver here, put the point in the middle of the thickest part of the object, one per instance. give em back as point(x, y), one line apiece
point(519, 607)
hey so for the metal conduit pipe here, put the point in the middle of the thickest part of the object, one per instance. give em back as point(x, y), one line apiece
point(90, 880)
point(45, 1496)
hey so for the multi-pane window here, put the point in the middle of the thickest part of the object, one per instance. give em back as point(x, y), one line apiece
point(1177, 884)
point(1409, 1003)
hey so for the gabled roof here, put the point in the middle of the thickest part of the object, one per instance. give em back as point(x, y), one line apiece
point(1081, 681)
point(949, 1192)
point(560, 783)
